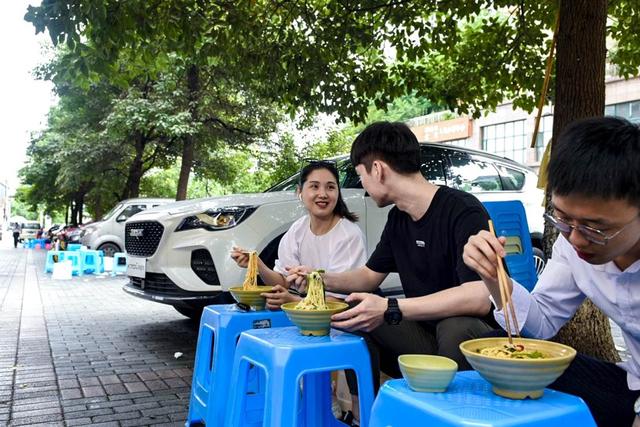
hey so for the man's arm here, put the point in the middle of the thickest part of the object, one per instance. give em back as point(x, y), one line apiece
point(468, 299)
point(362, 279)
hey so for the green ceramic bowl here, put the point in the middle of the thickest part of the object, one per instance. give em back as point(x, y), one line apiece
point(313, 322)
point(519, 378)
point(251, 297)
point(426, 372)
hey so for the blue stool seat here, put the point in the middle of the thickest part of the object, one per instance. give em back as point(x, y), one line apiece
point(74, 247)
point(119, 263)
point(286, 357)
point(469, 401)
point(76, 262)
point(91, 261)
point(52, 258)
point(220, 328)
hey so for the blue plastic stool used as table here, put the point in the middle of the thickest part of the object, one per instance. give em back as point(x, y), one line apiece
point(286, 357)
point(52, 258)
point(119, 263)
point(469, 401)
point(220, 328)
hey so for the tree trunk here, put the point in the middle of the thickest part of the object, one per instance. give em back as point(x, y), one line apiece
point(193, 86)
point(136, 169)
point(580, 92)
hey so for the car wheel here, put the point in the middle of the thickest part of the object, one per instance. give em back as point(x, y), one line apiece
point(109, 249)
point(192, 313)
point(539, 260)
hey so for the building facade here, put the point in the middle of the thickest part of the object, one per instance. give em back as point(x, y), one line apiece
point(508, 132)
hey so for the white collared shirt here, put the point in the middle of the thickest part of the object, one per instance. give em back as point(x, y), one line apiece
point(562, 288)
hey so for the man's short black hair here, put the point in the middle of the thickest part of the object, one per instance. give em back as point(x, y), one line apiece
point(597, 157)
point(391, 142)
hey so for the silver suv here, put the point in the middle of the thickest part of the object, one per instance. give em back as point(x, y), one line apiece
point(177, 258)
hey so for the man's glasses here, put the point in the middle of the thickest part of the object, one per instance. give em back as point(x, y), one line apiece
point(591, 234)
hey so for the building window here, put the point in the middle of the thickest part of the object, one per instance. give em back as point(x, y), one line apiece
point(544, 135)
point(626, 110)
point(506, 139)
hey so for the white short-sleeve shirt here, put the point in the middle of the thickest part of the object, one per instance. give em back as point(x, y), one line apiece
point(341, 249)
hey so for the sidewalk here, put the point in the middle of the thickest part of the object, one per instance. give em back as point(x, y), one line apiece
point(82, 352)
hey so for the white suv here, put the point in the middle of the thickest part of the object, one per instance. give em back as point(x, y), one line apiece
point(179, 255)
point(108, 234)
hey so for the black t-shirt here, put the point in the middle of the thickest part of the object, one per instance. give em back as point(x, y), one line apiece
point(427, 253)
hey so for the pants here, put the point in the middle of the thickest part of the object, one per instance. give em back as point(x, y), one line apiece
point(16, 235)
point(387, 342)
point(603, 387)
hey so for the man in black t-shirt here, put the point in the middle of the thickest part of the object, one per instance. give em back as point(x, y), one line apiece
point(446, 302)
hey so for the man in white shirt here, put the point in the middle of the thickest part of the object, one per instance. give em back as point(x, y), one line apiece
point(594, 179)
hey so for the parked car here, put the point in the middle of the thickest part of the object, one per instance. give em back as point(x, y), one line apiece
point(179, 253)
point(29, 230)
point(108, 233)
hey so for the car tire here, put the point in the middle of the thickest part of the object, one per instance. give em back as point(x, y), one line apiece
point(192, 313)
point(109, 249)
point(540, 260)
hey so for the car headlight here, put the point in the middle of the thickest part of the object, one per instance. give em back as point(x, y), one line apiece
point(217, 219)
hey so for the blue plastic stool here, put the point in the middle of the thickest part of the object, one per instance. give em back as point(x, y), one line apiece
point(90, 261)
point(76, 262)
point(74, 247)
point(286, 357)
point(220, 328)
point(469, 401)
point(119, 263)
point(51, 260)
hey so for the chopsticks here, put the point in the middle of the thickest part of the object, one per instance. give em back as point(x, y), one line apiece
point(505, 296)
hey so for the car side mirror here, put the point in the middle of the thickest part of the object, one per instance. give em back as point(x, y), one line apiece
point(121, 218)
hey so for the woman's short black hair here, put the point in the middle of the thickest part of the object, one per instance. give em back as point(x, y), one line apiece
point(597, 157)
point(391, 142)
point(341, 207)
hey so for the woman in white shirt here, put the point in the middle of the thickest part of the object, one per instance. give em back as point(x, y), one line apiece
point(326, 238)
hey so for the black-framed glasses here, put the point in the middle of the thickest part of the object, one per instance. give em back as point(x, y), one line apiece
point(591, 234)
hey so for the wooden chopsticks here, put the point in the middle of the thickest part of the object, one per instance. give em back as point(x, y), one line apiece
point(505, 296)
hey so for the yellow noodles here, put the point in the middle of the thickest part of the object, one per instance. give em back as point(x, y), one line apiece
point(251, 279)
point(511, 351)
point(315, 294)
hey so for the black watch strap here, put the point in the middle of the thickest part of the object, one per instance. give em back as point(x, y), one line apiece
point(392, 315)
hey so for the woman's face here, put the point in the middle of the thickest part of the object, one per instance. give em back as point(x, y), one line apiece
point(320, 193)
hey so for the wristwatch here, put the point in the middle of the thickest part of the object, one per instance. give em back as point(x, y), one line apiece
point(636, 407)
point(393, 315)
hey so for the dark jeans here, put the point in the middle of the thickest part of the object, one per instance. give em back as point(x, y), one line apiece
point(16, 237)
point(387, 342)
point(603, 387)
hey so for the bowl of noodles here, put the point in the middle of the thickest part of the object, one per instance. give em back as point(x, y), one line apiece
point(518, 370)
point(313, 314)
point(249, 292)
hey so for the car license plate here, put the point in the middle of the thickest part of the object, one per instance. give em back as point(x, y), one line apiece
point(136, 267)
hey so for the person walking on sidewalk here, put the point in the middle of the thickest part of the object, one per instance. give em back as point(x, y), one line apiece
point(16, 234)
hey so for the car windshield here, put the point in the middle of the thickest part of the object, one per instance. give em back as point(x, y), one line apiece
point(31, 226)
point(348, 178)
point(112, 212)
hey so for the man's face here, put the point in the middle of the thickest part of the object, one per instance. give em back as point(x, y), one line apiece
point(607, 216)
point(373, 185)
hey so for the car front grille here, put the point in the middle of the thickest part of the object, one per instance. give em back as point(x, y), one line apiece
point(142, 238)
point(202, 265)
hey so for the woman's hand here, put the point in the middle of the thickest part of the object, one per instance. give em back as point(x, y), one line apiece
point(240, 256)
point(297, 277)
point(278, 296)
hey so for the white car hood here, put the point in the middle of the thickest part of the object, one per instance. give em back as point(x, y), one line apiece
point(195, 206)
